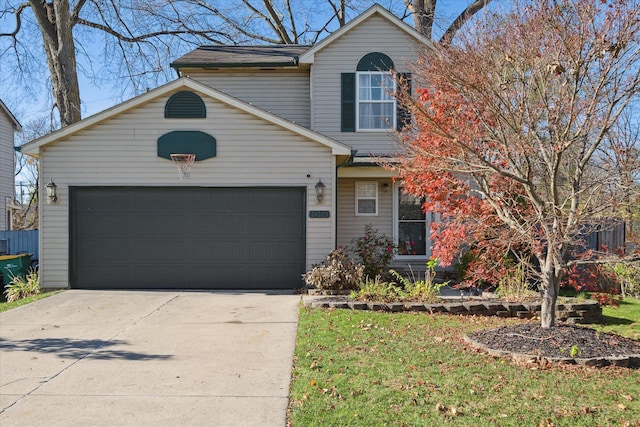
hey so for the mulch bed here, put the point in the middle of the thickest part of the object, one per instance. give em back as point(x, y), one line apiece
point(555, 345)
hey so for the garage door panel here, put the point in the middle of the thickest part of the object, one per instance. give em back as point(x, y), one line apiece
point(191, 238)
point(149, 276)
point(97, 225)
point(109, 251)
point(218, 224)
point(222, 251)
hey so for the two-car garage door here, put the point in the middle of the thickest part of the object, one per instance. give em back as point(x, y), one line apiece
point(187, 238)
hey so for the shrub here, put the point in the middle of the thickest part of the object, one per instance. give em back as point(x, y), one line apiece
point(607, 298)
point(628, 276)
point(426, 290)
point(514, 284)
point(336, 272)
point(21, 287)
point(378, 290)
point(375, 250)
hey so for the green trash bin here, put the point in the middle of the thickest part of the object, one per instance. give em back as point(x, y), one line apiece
point(12, 266)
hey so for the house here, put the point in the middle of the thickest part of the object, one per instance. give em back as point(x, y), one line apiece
point(288, 142)
point(8, 126)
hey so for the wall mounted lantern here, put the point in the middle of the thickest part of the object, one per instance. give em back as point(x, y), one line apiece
point(52, 197)
point(320, 191)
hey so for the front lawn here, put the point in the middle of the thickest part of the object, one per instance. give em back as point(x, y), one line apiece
point(365, 368)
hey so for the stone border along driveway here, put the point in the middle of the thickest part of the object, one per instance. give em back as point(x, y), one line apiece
point(573, 312)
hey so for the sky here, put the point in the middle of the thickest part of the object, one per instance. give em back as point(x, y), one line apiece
point(98, 98)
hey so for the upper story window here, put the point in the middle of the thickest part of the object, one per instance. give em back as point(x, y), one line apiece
point(376, 105)
point(368, 96)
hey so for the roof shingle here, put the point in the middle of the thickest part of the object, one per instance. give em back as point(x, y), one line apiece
point(241, 56)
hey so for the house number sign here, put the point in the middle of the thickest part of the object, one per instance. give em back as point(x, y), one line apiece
point(318, 214)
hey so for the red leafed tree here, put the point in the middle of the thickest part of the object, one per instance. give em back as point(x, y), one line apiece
point(512, 139)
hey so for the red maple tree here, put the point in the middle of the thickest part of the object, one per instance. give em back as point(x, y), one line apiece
point(511, 135)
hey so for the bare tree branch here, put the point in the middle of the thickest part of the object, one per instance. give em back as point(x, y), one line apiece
point(467, 14)
point(18, 15)
point(276, 22)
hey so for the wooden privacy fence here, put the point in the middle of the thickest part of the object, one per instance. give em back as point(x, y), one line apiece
point(611, 236)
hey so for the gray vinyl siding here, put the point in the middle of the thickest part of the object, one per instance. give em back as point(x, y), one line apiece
point(350, 225)
point(6, 166)
point(285, 93)
point(375, 34)
point(122, 152)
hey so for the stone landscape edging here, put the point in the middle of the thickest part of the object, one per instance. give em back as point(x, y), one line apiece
point(626, 361)
point(570, 310)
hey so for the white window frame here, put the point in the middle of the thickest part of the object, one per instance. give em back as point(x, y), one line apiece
point(429, 218)
point(392, 101)
point(375, 198)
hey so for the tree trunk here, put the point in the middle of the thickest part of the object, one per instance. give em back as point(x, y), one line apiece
point(551, 274)
point(423, 15)
point(548, 311)
point(54, 20)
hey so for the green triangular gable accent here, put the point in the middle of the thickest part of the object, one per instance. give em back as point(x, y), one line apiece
point(199, 143)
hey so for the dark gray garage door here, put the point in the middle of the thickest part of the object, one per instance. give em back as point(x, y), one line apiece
point(187, 238)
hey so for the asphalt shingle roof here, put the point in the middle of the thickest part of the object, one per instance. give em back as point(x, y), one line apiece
point(241, 56)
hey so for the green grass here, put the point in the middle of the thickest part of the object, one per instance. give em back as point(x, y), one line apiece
point(623, 320)
point(359, 368)
point(4, 306)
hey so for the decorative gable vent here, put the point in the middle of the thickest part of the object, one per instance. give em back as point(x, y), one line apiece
point(375, 61)
point(185, 105)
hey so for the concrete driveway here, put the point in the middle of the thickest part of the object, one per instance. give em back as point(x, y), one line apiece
point(94, 358)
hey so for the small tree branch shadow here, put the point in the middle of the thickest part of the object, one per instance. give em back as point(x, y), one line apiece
point(68, 348)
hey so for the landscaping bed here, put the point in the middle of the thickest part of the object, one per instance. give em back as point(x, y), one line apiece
point(561, 344)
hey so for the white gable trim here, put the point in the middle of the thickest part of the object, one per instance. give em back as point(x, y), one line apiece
point(15, 121)
point(308, 56)
point(32, 148)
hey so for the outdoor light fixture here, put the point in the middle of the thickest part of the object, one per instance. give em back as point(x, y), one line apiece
point(385, 187)
point(52, 197)
point(320, 191)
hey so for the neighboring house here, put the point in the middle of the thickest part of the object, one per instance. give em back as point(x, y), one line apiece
point(8, 126)
point(268, 124)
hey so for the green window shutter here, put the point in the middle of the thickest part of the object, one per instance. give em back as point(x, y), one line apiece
point(185, 105)
point(403, 116)
point(348, 104)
